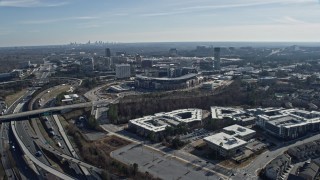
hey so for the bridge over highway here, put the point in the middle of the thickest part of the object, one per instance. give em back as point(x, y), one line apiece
point(38, 112)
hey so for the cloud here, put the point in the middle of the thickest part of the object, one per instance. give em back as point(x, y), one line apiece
point(200, 6)
point(31, 3)
point(46, 21)
point(289, 20)
point(247, 4)
point(161, 14)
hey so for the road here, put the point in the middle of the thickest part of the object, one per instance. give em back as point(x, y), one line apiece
point(53, 109)
point(26, 136)
point(5, 148)
point(5, 151)
point(59, 137)
point(263, 159)
point(33, 158)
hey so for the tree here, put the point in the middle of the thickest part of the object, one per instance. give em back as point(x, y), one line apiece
point(92, 122)
point(177, 143)
point(169, 130)
point(105, 175)
point(152, 136)
point(113, 113)
point(135, 168)
point(181, 128)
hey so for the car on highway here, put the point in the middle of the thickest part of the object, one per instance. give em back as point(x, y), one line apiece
point(38, 153)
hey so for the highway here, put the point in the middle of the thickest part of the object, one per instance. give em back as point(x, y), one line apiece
point(5, 151)
point(25, 133)
point(5, 148)
point(81, 172)
point(65, 152)
point(71, 159)
point(66, 141)
point(34, 159)
point(29, 142)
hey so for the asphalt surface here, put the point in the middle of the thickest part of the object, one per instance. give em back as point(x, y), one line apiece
point(5, 151)
point(163, 166)
point(64, 149)
point(28, 150)
point(6, 144)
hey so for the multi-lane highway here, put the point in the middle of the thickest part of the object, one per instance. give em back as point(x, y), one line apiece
point(32, 157)
point(62, 147)
point(69, 150)
point(7, 146)
point(31, 142)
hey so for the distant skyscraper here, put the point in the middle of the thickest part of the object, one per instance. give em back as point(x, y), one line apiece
point(108, 52)
point(217, 58)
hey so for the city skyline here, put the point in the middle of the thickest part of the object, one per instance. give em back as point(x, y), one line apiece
point(44, 22)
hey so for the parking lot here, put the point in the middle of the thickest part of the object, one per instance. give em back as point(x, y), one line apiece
point(164, 166)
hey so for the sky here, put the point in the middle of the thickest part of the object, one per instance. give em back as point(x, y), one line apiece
point(49, 22)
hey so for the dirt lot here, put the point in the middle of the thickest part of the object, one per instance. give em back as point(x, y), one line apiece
point(76, 113)
point(110, 143)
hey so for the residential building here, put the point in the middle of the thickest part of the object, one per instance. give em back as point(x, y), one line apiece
point(308, 171)
point(288, 123)
point(305, 151)
point(157, 124)
point(276, 168)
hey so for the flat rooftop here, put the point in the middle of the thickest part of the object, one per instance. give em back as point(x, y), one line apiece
point(185, 77)
point(225, 141)
point(286, 121)
point(239, 130)
point(221, 112)
point(160, 121)
point(184, 115)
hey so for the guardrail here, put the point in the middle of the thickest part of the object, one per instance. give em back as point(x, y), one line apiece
point(34, 159)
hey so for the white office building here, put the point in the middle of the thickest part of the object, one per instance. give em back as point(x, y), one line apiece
point(226, 145)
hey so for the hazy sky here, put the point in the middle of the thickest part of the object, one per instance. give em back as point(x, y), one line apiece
point(38, 22)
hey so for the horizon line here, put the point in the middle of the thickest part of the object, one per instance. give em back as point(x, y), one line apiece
point(154, 42)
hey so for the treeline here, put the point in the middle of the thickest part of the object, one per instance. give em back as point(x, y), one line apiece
point(134, 107)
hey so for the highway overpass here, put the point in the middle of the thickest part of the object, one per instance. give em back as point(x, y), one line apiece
point(36, 113)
